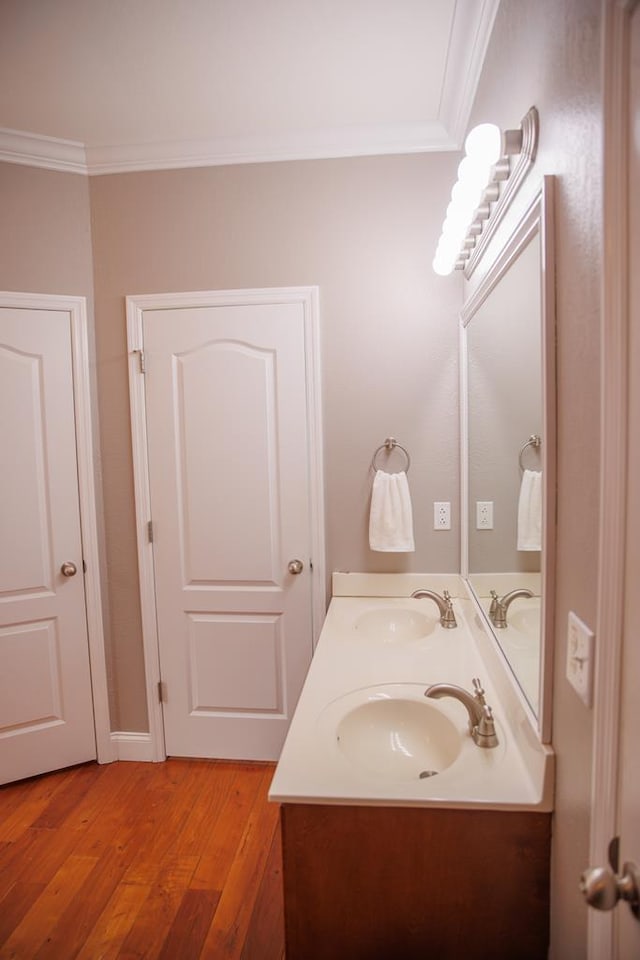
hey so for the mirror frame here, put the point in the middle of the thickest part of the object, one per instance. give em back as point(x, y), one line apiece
point(537, 219)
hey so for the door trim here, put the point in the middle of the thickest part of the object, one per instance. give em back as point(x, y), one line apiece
point(308, 297)
point(76, 307)
point(613, 456)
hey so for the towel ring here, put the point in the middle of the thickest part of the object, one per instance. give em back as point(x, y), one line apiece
point(533, 441)
point(389, 445)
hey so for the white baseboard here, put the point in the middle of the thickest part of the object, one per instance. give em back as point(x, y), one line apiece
point(132, 746)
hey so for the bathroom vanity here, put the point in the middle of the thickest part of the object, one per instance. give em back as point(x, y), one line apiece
point(386, 882)
point(402, 837)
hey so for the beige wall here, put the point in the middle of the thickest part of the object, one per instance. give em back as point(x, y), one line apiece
point(364, 230)
point(45, 240)
point(547, 54)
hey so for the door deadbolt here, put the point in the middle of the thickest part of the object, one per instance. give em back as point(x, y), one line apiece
point(68, 569)
point(295, 566)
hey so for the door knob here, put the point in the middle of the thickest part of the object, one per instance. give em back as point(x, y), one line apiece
point(68, 569)
point(602, 888)
point(295, 566)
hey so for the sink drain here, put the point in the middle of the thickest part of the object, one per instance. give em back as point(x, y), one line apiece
point(427, 773)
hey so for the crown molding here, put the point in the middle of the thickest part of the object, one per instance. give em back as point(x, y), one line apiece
point(73, 157)
point(470, 34)
point(34, 150)
point(313, 145)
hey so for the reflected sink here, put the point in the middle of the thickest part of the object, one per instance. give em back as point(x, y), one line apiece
point(394, 623)
point(524, 615)
point(523, 627)
point(394, 736)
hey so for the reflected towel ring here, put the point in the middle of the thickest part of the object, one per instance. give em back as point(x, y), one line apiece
point(533, 441)
point(389, 445)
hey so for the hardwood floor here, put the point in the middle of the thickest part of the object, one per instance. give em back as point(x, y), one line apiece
point(178, 860)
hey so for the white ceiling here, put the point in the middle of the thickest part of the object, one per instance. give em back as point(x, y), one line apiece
point(109, 85)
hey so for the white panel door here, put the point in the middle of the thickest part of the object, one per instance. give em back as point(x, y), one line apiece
point(46, 715)
point(229, 490)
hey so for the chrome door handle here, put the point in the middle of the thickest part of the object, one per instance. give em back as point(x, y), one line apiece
point(602, 888)
point(68, 569)
point(295, 566)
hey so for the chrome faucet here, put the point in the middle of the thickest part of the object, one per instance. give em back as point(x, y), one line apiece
point(481, 723)
point(499, 606)
point(445, 606)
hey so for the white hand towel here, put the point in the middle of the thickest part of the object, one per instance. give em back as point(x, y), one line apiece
point(391, 517)
point(530, 511)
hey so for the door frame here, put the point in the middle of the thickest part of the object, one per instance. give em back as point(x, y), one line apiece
point(308, 297)
point(76, 307)
point(613, 456)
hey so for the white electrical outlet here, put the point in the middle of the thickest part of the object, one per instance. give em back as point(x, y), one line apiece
point(484, 514)
point(441, 515)
point(580, 658)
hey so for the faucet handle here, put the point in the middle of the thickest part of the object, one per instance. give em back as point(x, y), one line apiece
point(485, 733)
point(478, 691)
point(448, 619)
point(494, 603)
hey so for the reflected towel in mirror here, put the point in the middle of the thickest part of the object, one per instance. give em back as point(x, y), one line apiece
point(391, 516)
point(530, 511)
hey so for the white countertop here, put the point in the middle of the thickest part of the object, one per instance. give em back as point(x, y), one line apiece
point(518, 774)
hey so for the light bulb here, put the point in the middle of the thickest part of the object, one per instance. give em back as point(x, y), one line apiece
point(443, 266)
point(484, 143)
point(466, 196)
point(448, 246)
point(455, 225)
point(474, 172)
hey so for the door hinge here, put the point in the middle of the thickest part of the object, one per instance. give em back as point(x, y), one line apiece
point(150, 530)
point(141, 360)
point(162, 691)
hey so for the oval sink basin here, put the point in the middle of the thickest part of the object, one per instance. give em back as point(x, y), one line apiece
point(394, 623)
point(398, 738)
point(524, 615)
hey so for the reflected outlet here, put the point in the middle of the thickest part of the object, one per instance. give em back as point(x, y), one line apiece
point(484, 514)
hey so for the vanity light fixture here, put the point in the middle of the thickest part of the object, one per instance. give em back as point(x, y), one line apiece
point(487, 181)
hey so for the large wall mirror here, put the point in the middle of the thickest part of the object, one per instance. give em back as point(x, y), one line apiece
point(508, 450)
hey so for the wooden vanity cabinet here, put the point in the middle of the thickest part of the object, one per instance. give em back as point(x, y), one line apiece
point(398, 883)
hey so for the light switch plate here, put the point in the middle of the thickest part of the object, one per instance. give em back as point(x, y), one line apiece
point(580, 640)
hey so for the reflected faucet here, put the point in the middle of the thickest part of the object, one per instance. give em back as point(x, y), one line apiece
point(445, 606)
point(481, 724)
point(499, 606)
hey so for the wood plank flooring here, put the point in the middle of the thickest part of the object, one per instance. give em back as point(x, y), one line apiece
point(177, 861)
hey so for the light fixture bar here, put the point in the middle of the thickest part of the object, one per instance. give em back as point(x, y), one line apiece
point(486, 178)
